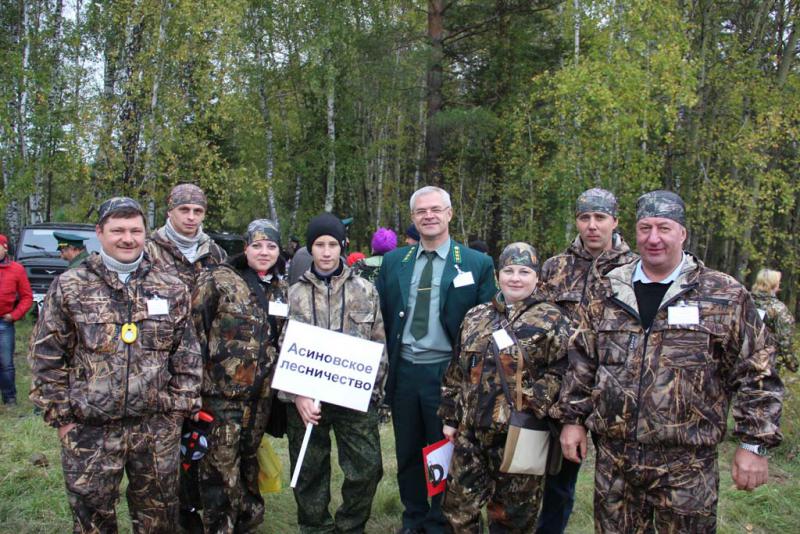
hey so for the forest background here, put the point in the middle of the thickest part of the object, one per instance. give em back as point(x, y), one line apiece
point(285, 108)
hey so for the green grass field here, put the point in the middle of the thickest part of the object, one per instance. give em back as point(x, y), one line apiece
point(32, 498)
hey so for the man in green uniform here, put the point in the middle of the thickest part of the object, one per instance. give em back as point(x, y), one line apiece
point(426, 290)
point(71, 248)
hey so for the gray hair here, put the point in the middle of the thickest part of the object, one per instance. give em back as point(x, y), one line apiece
point(427, 190)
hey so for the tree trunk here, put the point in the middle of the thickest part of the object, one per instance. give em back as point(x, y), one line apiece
point(789, 52)
point(576, 29)
point(331, 100)
point(433, 140)
point(149, 174)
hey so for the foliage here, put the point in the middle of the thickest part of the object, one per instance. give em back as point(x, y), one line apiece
point(539, 100)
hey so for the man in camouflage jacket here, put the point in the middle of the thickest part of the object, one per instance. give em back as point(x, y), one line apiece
point(180, 247)
point(329, 295)
point(567, 278)
point(475, 405)
point(238, 332)
point(665, 344)
point(116, 367)
point(780, 325)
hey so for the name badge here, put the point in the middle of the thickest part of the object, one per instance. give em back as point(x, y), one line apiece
point(683, 315)
point(502, 339)
point(463, 279)
point(761, 313)
point(157, 306)
point(278, 309)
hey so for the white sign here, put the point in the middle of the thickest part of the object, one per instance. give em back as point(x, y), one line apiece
point(328, 366)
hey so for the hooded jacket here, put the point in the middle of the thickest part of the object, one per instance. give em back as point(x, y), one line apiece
point(83, 371)
point(345, 303)
point(567, 277)
point(238, 336)
point(472, 392)
point(673, 383)
point(167, 256)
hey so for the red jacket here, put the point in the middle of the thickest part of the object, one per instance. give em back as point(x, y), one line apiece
point(15, 290)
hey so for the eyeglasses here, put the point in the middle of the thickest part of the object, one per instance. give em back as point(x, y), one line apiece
point(438, 210)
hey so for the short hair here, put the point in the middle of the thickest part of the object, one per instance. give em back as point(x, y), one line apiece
point(124, 213)
point(430, 189)
point(767, 280)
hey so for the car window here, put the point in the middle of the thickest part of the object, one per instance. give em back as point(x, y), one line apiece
point(40, 242)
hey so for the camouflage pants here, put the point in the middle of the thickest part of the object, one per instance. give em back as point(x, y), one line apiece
point(647, 488)
point(359, 445)
point(228, 473)
point(475, 480)
point(94, 459)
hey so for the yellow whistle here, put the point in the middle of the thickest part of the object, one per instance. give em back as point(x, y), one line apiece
point(129, 333)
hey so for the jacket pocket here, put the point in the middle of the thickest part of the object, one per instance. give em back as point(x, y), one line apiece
point(361, 324)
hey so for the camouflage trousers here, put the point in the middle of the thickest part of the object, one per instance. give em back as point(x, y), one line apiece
point(228, 473)
point(475, 480)
point(359, 445)
point(646, 488)
point(94, 459)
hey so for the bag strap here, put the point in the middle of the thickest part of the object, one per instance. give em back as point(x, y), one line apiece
point(522, 353)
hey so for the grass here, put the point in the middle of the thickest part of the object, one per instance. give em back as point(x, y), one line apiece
point(32, 498)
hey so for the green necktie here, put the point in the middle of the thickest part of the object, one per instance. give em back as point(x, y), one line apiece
point(422, 309)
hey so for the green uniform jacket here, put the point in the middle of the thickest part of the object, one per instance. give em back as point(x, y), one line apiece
point(78, 260)
point(394, 282)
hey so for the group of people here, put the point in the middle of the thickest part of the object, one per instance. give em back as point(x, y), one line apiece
point(647, 352)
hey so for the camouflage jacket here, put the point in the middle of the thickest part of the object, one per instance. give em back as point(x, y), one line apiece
point(84, 372)
point(368, 268)
point(672, 384)
point(167, 256)
point(472, 392)
point(238, 337)
point(349, 304)
point(780, 325)
point(567, 277)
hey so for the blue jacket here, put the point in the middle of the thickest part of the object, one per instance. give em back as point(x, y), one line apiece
point(394, 282)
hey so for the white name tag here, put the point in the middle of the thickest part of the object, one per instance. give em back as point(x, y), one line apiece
point(761, 313)
point(463, 279)
point(683, 315)
point(279, 309)
point(502, 339)
point(157, 306)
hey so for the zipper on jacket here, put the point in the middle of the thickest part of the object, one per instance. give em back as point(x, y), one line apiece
point(128, 352)
point(683, 291)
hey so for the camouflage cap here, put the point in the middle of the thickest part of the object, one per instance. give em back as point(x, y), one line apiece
point(661, 204)
point(519, 254)
point(262, 229)
point(596, 199)
point(186, 194)
point(116, 204)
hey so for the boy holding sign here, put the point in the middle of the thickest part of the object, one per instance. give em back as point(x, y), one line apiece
point(329, 295)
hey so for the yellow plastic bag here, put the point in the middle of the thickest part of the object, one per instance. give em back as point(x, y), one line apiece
point(269, 473)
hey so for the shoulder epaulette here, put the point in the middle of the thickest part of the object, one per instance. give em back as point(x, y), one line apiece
point(457, 254)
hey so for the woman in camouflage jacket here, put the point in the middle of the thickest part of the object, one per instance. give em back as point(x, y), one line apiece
point(239, 309)
point(475, 409)
point(776, 316)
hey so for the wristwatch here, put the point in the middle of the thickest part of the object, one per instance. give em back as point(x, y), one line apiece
point(755, 449)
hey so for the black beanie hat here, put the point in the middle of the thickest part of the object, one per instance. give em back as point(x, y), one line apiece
point(325, 224)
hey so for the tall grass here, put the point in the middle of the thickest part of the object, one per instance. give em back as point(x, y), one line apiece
point(32, 498)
